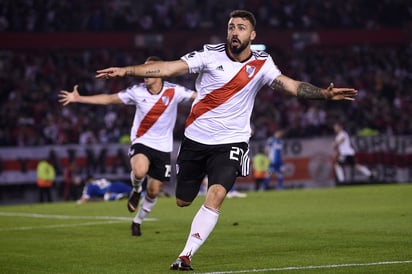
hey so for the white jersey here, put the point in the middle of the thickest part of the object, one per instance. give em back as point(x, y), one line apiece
point(345, 148)
point(155, 114)
point(226, 90)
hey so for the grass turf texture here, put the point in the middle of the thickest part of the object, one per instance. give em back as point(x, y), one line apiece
point(267, 230)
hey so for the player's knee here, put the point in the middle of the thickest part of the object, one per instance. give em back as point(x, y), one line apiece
point(182, 203)
point(153, 188)
point(152, 193)
point(218, 191)
point(139, 173)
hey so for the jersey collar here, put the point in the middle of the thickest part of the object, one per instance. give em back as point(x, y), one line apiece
point(228, 55)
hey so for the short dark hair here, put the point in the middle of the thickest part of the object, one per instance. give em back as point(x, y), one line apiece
point(154, 58)
point(244, 14)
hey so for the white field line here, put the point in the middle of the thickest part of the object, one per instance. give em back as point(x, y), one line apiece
point(58, 226)
point(108, 220)
point(52, 216)
point(309, 267)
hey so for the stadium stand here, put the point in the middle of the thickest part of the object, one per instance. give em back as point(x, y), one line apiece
point(30, 114)
point(31, 78)
point(128, 15)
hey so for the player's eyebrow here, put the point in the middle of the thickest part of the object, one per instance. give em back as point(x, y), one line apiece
point(239, 25)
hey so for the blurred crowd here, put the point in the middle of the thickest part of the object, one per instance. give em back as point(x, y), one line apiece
point(30, 80)
point(31, 115)
point(383, 77)
point(129, 15)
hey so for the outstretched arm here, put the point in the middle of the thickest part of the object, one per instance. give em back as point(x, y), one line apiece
point(67, 97)
point(158, 69)
point(308, 91)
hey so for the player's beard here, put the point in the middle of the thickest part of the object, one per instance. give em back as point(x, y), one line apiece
point(239, 48)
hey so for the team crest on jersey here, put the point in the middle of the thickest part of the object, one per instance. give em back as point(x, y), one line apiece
point(166, 100)
point(250, 70)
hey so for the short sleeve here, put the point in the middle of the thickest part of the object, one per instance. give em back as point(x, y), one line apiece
point(195, 60)
point(184, 94)
point(272, 71)
point(127, 96)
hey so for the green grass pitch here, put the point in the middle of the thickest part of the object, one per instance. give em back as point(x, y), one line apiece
point(360, 229)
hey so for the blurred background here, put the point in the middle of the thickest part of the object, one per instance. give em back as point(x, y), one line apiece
point(47, 45)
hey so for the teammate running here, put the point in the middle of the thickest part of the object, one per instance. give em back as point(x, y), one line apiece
point(151, 135)
point(346, 154)
point(218, 127)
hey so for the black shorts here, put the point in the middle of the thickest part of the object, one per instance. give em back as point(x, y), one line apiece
point(221, 163)
point(159, 167)
point(347, 160)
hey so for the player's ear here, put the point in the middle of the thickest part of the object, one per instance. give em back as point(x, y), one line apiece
point(253, 35)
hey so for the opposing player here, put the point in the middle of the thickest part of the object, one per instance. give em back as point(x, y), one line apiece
point(151, 135)
point(103, 188)
point(274, 146)
point(218, 127)
point(346, 154)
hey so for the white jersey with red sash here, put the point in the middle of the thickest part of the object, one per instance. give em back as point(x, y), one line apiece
point(226, 90)
point(155, 114)
point(345, 147)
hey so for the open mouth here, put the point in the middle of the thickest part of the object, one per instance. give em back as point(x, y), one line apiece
point(235, 42)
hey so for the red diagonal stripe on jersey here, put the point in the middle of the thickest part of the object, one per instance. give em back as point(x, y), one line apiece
point(223, 94)
point(153, 115)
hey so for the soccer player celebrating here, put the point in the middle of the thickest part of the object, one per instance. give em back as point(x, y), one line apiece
point(151, 135)
point(218, 127)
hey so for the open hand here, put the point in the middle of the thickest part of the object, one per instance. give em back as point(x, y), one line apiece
point(67, 97)
point(341, 93)
point(112, 72)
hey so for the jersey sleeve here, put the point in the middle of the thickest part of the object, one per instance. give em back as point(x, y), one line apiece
point(128, 95)
point(184, 94)
point(196, 60)
point(272, 71)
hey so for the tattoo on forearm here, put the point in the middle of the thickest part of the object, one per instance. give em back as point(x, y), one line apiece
point(308, 91)
point(151, 72)
point(277, 85)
